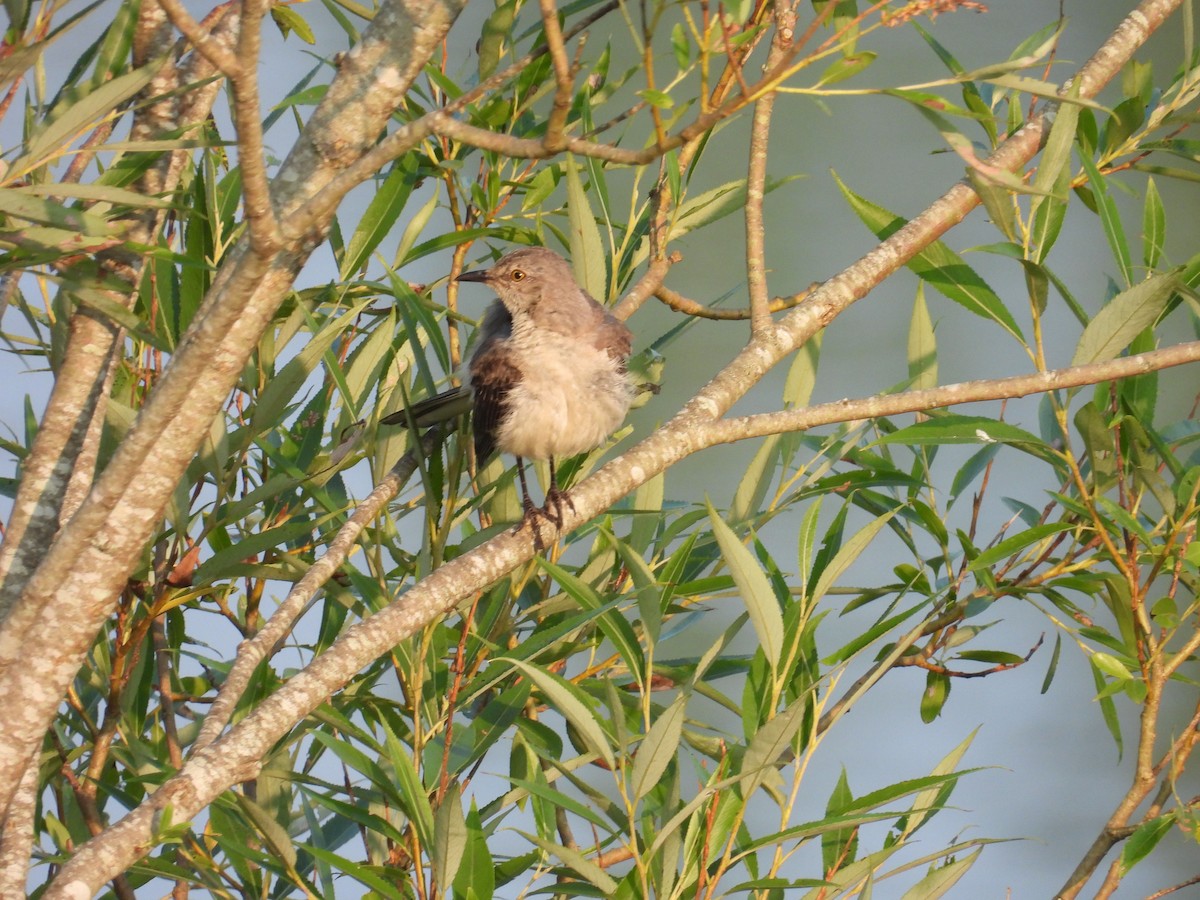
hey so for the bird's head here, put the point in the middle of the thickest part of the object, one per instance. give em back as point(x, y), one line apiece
point(525, 277)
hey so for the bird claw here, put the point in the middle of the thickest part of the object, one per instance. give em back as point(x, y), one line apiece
point(552, 513)
point(530, 521)
point(556, 498)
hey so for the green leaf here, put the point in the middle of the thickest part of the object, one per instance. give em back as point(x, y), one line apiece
point(228, 560)
point(657, 99)
point(922, 346)
point(1048, 217)
point(846, 67)
point(540, 789)
point(274, 835)
point(360, 872)
point(839, 846)
point(18, 204)
point(714, 204)
point(935, 695)
point(413, 229)
point(102, 192)
point(1154, 226)
point(1052, 667)
point(1016, 543)
point(846, 555)
point(802, 374)
point(450, 836)
point(1111, 666)
point(579, 863)
point(770, 742)
point(476, 873)
point(1124, 318)
point(614, 625)
point(270, 407)
point(64, 125)
point(997, 200)
point(380, 215)
point(753, 585)
point(1108, 709)
point(938, 265)
point(868, 637)
point(572, 704)
point(290, 21)
point(657, 750)
point(956, 429)
point(680, 46)
point(648, 501)
point(1056, 155)
point(1144, 840)
point(539, 188)
point(940, 880)
point(1110, 218)
point(927, 802)
point(992, 657)
point(587, 250)
point(496, 31)
point(758, 478)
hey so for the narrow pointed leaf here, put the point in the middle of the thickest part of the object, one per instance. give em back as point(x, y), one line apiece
point(938, 265)
point(587, 250)
point(1125, 317)
point(754, 587)
point(658, 749)
point(570, 702)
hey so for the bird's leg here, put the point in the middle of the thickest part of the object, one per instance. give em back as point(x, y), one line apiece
point(526, 502)
point(557, 498)
point(532, 513)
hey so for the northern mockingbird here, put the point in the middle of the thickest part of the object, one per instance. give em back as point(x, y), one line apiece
point(547, 377)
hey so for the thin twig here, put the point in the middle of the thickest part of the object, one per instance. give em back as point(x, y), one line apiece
point(676, 301)
point(553, 140)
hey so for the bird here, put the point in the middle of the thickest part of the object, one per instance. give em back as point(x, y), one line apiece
point(548, 377)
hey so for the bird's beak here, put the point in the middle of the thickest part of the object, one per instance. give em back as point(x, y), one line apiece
point(477, 275)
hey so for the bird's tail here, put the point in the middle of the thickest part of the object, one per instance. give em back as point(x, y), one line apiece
point(433, 410)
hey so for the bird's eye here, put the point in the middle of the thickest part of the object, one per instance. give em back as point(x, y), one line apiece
point(517, 275)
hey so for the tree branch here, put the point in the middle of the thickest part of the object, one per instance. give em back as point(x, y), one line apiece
point(756, 176)
point(553, 141)
point(265, 237)
point(219, 54)
point(727, 431)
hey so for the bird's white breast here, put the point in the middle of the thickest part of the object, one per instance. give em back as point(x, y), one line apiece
point(570, 398)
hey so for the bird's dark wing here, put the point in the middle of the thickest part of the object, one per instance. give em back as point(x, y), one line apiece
point(493, 376)
point(612, 335)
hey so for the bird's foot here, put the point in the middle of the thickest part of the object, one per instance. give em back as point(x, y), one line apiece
point(551, 513)
point(557, 498)
point(532, 520)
